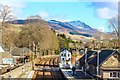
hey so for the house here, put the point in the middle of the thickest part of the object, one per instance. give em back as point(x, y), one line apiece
point(5, 57)
point(5, 60)
point(1, 52)
point(105, 65)
point(65, 57)
point(20, 54)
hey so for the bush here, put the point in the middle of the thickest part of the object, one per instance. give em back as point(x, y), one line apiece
point(56, 52)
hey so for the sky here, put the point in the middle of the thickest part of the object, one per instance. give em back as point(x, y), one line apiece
point(93, 13)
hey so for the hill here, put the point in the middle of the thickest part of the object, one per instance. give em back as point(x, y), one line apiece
point(77, 30)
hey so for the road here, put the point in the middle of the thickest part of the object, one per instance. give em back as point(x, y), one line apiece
point(47, 68)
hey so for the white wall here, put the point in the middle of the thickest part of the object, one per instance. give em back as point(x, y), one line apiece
point(64, 54)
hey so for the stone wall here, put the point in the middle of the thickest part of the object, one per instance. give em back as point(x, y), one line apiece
point(18, 71)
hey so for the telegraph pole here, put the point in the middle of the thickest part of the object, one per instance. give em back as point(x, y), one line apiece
point(85, 59)
point(98, 64)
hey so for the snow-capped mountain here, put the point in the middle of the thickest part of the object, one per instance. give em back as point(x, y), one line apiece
point(72, 26)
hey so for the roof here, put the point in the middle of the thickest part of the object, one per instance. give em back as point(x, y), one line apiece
point(19, 51)
point(61, 50)
point(103, 56)
point(87, 55)
point(111, 68)
point(6, 55)
point(1, 49)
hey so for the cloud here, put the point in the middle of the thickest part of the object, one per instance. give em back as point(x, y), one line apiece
point(102, 29)
point(62, 0)
point(42, 0)
point(99, 0)
point(15, 6)
point(47, 16)
point(105, 10)
point(59, 17)
point(43, 14)
point(104, 13)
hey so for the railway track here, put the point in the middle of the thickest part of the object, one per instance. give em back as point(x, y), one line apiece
point(44, 74)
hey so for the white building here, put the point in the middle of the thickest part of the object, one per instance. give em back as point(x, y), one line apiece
point(65, 58)
point(1, 52)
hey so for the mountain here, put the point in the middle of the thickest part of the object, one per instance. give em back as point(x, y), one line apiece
point(75, 29)
point(73, 26)
point(79, 24)
point(57, 24)
point(23, 21)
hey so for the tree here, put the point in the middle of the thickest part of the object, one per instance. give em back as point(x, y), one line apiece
point(63, 41)
point(10, 37)
point(39, 35)
point(115, 25)
point(6, 14)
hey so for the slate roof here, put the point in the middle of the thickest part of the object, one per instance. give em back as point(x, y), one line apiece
point(103, 56)
point(6, 55)
point(19, 51)
point(62, 49)
point(88, 55)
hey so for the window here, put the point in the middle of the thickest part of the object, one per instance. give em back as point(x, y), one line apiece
point(115, 74)
point(61, 54)
point(69, 59)
point(68, 55)
point(110, 74)
point(64, 55)
point(62, 58)
point(119, 74)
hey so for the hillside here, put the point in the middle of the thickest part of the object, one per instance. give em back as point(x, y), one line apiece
point(19, 35)
point(77, 30)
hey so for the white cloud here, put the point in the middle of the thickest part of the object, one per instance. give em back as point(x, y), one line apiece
point(99, 0)
point(62, 0)
point(43, 14)
point(43, 0)
point(102, 29)
point(15, 6)
point(104, 13)
point(62, 18)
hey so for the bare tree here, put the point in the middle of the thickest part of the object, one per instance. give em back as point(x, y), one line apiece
point(115, 25)
point(6, 14)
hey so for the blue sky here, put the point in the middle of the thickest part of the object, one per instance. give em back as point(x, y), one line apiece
point(95, 14)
